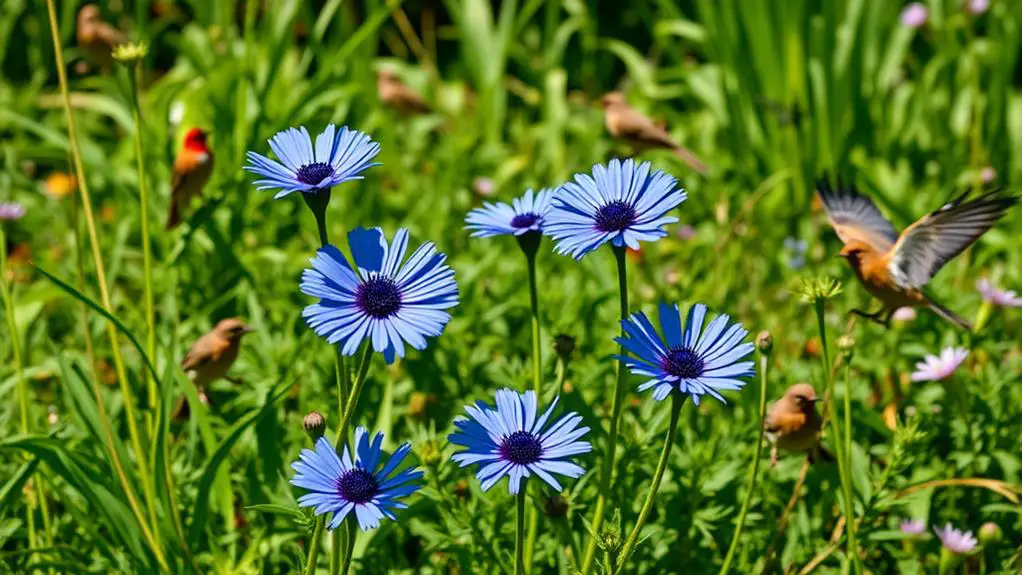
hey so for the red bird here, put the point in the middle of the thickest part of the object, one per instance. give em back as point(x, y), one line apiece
point(894, 268)
point(192, 169)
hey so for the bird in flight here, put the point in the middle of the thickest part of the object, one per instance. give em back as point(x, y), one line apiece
point(642, 133)
point(895, 268)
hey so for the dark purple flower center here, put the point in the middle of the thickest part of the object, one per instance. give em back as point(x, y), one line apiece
point(682, 362)
point(524, 220)
point(614, 216)
point(378, 297)
point(314, 173)
point(357, 485)
point(521, 447)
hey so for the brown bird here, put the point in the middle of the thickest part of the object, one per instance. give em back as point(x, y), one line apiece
point(792, 424)
point(192, 169)
point(396, 94)
point(895, 268)
point(212, 355)
point(96, 38)
point(628, 124)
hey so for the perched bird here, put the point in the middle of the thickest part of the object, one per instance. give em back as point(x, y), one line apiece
point(628, 124)
point(895, 268)
point(192, 168)
point(96, 38)
point(396, 94)
point(212, 355)
point(792, 424)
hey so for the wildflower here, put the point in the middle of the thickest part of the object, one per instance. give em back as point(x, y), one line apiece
point(914, 527)
point(977, 7)
point(904, 314)
point(914, 15)
point(954, 540)
point(937, 368)
point(689, 360)
point(797, 252)
point(11, 211)
point(526, 214)
point(130, 52)
point(622, 203)
point(686, 232)
point(997, 296)
point(483, 187)
point(816, 288)
point(509, 440)
point(59, 184)
point(339, 156)
point(384, 301)
point(987, 174)
point(339, 485)
point(314, 424)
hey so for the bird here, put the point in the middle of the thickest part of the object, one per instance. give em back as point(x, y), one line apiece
point(628, 124)
point(895, 268)
point(192, 169)
point(396, 94)
point(792, 424)
point(96, 38)
point(213, 354)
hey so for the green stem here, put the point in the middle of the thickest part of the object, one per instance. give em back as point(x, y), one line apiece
point(335, 549)
point(843, 471)
point(607, 471)
point(151, 536)
point(313, 557)
point(520, 533)
point(350, 548)
point(537, 383)
point(356, 390)
point(750, 486)
point(677, 401)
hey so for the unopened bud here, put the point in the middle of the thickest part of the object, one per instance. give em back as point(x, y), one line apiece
point(765, 342)
point(564, 345)
point(555, 506)
point(989, 533)
point(461, 489)
point(131, 52)
point(609, 541)
point(429, 452)
point(846, 345)
point(417, 403)
point(315, 425)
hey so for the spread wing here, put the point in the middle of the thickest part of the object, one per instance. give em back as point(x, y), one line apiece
point(855, 217)
point(934, 240)
point(209, 347)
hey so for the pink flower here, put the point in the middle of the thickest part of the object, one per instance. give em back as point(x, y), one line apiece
point(937, 368)
point(914, 15)
point(997, 296)
point(987, 174)
point(977, 7)
point(483, 187)
point(686, 232)
point(913, 526)
point(904, 314)
point(11, 211)
point(956, 541)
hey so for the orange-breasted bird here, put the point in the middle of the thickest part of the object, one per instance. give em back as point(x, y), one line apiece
point(396, 94)
point(192, 168)
point(213, 354)
point(96, 38)
point(895, 268)
point(792, 424)
point(632, 126)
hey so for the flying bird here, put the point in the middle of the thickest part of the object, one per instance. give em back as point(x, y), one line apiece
point(96, 38)
point(632, 126)
point(894, 267)
point(192, 169)
point(792, 424)
point(396, 94)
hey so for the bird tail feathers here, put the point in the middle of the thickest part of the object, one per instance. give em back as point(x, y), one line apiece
point(948, 315)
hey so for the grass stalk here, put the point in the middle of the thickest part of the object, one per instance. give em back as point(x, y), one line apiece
point(520, 533)
point(317, 534)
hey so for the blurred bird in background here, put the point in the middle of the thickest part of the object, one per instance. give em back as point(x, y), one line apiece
point(895, 268)
point(397, 95)
point(192, 169)
point(96, 38)
point(792, 424)
point(210, 358)
point(632, 126)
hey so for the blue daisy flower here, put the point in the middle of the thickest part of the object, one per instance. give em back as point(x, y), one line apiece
point(386, 301)
point(525, 214)
point(509, 440)
point(622, 203)
point(338, 485)
point(339, 156)
point(689, 360)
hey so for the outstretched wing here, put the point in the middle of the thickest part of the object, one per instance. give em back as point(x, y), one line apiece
point(855, 217)
point(934, 240)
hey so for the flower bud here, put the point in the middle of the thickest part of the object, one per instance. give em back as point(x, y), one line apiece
point(846, 345)
point(765, 342)
point(555, 506)
point(989, 533)
point(564, 345)
point(131, 52)
point(429, 452)
point(609, 541)
point(315, 425)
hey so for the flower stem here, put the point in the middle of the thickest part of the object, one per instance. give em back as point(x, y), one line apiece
point(7, 292)
point(317, 533)
point(842, 457)
point(129, 401)
point(607, 471)
point(520, 533)
point(537, 383)
point(750, 486)
point(356, 390)
point(350, 548)
point(677, 401)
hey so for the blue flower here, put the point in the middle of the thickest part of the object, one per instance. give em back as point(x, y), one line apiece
point(339, 485)
point(620, 203)
point(339, 156)
point(385, 301)
point(509, 440)
point(693, 360)
point(526, 214)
